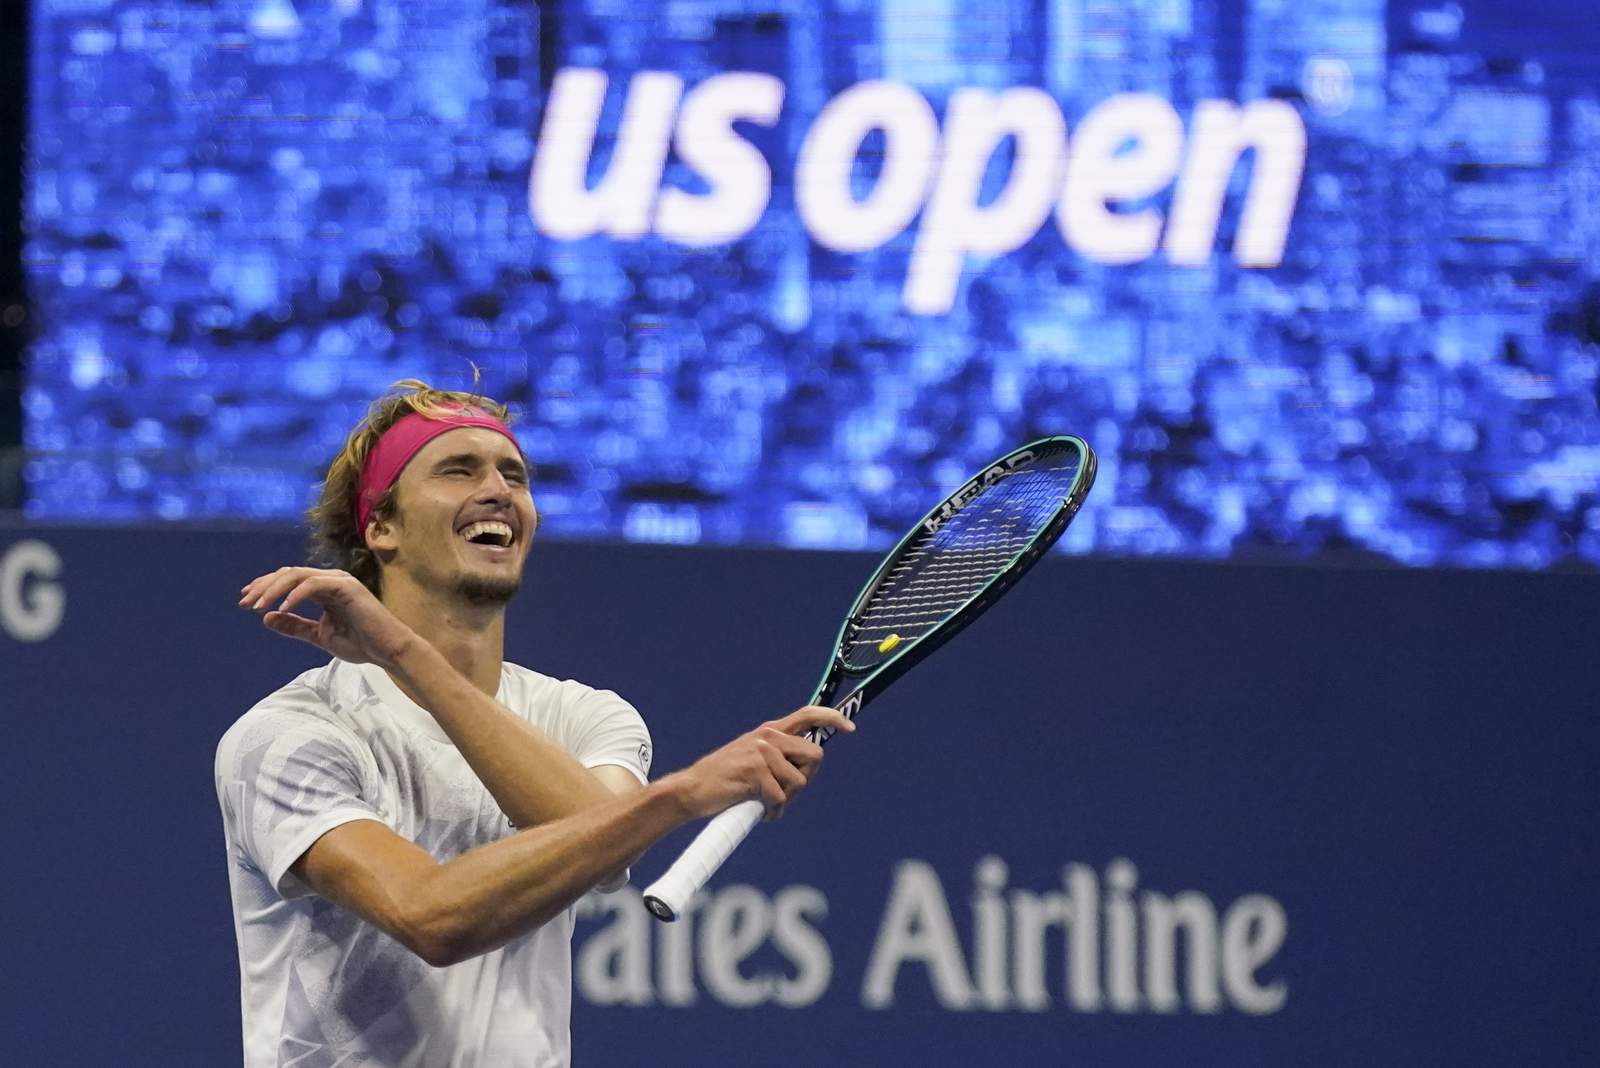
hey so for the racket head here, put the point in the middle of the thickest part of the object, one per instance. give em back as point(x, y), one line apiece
point(967, 551)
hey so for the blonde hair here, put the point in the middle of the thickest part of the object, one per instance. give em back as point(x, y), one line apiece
point(336, 538)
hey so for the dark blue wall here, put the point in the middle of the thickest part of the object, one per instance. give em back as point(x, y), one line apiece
point(1403, 762)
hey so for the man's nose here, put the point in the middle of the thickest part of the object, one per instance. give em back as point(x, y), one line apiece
point(495, 486)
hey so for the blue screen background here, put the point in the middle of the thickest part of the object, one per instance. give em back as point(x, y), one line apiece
point(246, 218)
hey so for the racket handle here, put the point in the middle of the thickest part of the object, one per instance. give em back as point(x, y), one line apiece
point(668, 896)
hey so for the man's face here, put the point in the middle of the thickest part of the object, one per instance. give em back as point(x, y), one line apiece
point(465, 517)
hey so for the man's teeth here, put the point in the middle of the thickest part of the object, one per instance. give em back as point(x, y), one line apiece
point(501, 531)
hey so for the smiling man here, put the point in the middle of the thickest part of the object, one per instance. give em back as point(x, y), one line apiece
point(409, 825)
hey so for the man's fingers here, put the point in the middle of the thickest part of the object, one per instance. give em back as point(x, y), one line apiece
point(770, 794)
point(252, 590)
point(291, 586)
point(802, 752)
point(803, 719)
point(309, 587)
point(269, 589)
point(789, 777)
point(292, 626)
point(263, 590)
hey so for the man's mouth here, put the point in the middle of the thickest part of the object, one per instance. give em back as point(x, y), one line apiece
point(490, 534)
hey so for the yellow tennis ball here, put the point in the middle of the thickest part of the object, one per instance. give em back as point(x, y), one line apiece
point(888, 643)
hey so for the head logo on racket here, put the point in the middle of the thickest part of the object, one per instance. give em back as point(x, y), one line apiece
point(976, 485)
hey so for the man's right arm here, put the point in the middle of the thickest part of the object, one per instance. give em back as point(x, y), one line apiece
point(447, 912)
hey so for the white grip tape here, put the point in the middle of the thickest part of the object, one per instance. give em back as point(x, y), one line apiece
point(668, 896)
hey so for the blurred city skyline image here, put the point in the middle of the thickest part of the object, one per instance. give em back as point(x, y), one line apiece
point(1314, 279)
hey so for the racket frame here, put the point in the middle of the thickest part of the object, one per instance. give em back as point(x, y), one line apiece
point(669, 895)
point(876, 677)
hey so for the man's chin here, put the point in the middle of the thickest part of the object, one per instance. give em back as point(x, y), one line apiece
point(488, 589)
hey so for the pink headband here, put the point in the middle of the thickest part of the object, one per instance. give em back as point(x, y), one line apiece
point(401, 442)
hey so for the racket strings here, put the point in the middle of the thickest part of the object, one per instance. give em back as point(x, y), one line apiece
point(938, 574)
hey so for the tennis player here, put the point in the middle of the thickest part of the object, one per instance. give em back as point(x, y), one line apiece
point(409, 825)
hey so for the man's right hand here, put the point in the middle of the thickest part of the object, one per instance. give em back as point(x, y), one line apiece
point(770, 764)
point(355, 626)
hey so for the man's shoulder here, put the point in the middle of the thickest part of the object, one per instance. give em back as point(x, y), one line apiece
point(532, 687)
point(307, 703)
point(566, 707)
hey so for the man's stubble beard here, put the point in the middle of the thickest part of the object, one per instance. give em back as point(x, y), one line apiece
point(483, 590)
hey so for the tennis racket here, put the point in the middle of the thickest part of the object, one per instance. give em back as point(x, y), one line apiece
point(950, 569)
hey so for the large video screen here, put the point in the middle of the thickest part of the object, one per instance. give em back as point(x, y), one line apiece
point(1316, 277)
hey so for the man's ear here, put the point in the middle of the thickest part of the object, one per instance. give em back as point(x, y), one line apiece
point(380, 535)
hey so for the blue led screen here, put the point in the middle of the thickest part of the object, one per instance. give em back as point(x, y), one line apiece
point(1311, 276)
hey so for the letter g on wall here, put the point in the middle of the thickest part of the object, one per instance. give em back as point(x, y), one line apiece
point(32, 600)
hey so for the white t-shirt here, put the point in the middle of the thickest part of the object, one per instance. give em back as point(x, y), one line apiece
point(318, 984)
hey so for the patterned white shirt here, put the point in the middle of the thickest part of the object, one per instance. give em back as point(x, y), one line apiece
point(319, 986)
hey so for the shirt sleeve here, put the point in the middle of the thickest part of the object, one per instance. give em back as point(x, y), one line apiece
point(285, 780)
point(611, 731)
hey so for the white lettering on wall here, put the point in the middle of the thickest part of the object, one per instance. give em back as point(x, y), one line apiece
point(822, 173)
point(1222, 133)
point(1126, 150)
point(917, 928)
point(989, 924)
point(795, 935)
point(1120, 946)
point(32, 601)
point(614, 967)
point(559, 198)
point(1107, 945)
point(976, 124)
point(1251, 934)
point(1164, 917)
point(736, 924)
point(725, 940)
point(740, 180)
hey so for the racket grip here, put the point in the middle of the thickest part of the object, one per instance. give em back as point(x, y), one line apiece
point(668, 896)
